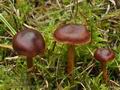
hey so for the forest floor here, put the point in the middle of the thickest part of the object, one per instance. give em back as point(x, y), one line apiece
point(102, 19)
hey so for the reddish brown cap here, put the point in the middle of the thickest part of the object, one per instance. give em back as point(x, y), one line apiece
point(28, 42)
point(104, 54)
point(72, 34)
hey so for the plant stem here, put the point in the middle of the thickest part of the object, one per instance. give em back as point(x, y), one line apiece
point(70, 61)
point(105, 74)
point(30, 64)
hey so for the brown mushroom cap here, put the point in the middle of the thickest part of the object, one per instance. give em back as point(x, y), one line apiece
point(28, 42)
point(72, 34)
point(104, 54)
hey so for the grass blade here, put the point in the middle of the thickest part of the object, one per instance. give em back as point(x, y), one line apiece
point(12, 30)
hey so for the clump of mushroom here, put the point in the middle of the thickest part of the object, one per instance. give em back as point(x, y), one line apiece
point(29, 43)
point(72, 34)
point(104, 55)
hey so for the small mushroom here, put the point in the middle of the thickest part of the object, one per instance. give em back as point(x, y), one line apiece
point(72, 34)
point(29, 43)
point(104, 55)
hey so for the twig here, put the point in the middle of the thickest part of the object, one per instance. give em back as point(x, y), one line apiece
point(6, 46)
point(58, 3)
point(4, 37)
point(72, 4)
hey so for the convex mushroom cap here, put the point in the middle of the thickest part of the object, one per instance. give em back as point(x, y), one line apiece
point(72, 34)
point(28, 42)
point(104, 54)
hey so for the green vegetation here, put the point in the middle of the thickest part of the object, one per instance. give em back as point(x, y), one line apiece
point(102, 18)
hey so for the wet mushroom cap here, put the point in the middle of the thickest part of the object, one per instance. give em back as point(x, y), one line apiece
point(28, 42)
point(104, 54)
point(72, 34)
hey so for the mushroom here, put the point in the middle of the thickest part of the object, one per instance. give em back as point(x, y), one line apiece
point(72, 34)
point(29, 43)
point(104, 55)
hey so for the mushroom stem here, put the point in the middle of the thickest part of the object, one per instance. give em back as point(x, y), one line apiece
point(29, 64)
point(105, 74)
point(70, 61)
point(30, 69)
